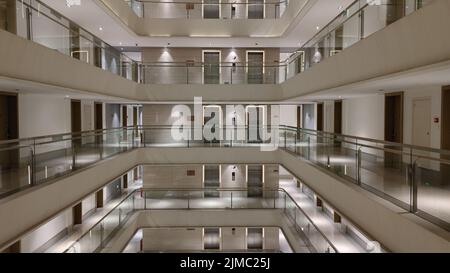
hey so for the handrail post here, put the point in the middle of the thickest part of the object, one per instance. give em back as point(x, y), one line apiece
point(295, 143)
point(102, 234)
point(309, 147)
point(285, 136)
point(358, 166)
point(187, 73)
point(132, 138)
point(143, 138)
point(32, 171)
point(275, 194)
point(189, 200)
point(231, 75)
point(231, 200)
point(145, 200)
point(414, 188)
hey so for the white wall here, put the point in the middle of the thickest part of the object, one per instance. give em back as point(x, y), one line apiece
point(87, 115)
point(88, 204)
point(288, 115)
point(328, 116)
point(172, 176)
point(40, 236)
point(43, 115)
point(434, 94)
point(364, 117)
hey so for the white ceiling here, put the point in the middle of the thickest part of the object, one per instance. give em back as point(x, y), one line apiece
point(91, 16)
point(433, 75)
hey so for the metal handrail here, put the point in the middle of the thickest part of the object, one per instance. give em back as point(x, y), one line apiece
point(201, 3)
point(409, 146)
point(200, 189)
point(80, 135)
point(292, 57)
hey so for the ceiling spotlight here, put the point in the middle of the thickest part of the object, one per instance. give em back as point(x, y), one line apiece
point(100, 28)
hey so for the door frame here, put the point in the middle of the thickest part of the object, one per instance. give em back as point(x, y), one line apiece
point(16, 95)
point(402, 117)
point(97, 104)
point(413, 125)
point(204, 170)
point(203, 9)
point(445, 89)
point(320, 116)
point(246, 9)
point(203, 63)
point(338, 121)
point(263, 64)
point(71, 115)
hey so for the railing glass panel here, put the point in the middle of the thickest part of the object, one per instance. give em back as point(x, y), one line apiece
point(39, 23)
point(209, 9)
point(414, 178)
point(97, 238)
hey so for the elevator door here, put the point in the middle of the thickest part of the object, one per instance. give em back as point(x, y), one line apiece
point(255, 69)
point(211, 9)
point(212, 180)
point(255, 9)
point(255, 239)
point(255, 181)
point(211, 69)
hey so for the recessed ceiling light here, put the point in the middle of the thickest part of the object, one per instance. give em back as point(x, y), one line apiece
point(100, 28)
point(317, 27)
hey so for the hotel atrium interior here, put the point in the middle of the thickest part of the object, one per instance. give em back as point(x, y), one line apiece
point(225, 126)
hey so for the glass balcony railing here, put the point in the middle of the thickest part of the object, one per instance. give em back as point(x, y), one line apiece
point(209, 9)
point(41, 24)
point(212, 73)
point(37, 22)
point(414, 178)
point(97, 238)
point(360, 20)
